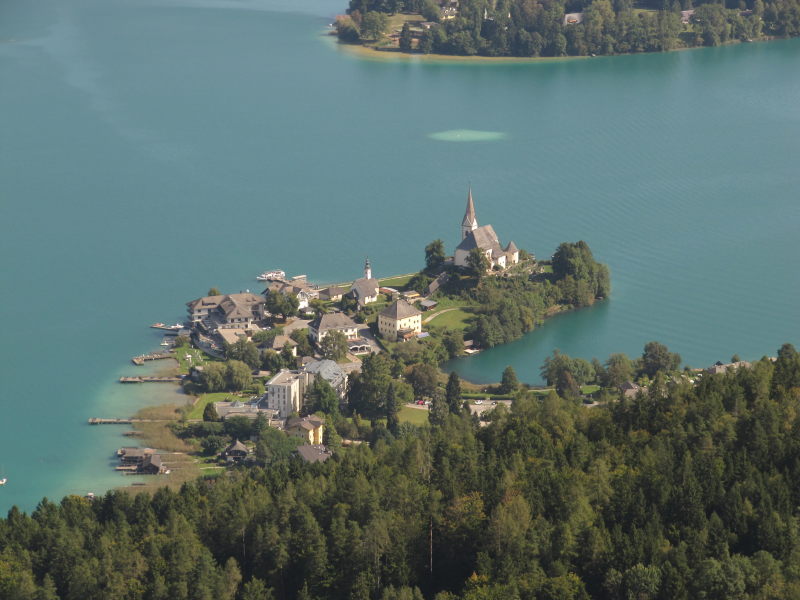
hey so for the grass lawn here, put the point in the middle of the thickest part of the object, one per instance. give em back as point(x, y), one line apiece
point(396, 21)
point(397, 283)
point(453, 319)
point(196, 411)
point(415, 416)
point(190, 357)
point(589, 389)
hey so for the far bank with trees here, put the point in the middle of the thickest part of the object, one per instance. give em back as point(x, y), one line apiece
point(558, 28)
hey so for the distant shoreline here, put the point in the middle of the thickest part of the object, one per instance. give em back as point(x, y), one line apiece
point(396, 55)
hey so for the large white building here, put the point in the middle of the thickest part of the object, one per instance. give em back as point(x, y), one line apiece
point(286, 392)
point(483, 237)
point(229, 311)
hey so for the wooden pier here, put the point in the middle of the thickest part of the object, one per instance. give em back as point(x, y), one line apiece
point(140, 360)
point(99, 421)
point(148, 379)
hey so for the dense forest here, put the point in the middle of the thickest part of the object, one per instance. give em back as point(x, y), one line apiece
point(690, 490)
point(531, 28)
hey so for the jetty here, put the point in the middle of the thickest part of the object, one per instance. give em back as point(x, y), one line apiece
point(99, 421)
point(142, 358)
point(149, 379)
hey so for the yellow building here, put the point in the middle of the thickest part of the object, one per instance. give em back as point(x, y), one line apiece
point(308, 428)
point(399, 318)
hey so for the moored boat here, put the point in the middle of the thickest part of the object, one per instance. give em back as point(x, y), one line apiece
point(275, 275)
point(176, 327)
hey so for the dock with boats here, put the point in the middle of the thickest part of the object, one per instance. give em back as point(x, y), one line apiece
point(143, 358)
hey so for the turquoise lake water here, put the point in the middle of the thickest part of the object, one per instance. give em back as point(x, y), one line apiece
point(150, 150)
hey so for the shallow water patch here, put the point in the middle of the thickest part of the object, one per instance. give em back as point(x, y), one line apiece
point(468, 135)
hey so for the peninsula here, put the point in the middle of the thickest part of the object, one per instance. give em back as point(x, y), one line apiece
point(298, 349)
point(553, 28)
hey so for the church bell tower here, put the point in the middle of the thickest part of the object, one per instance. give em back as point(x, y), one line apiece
point(367, 270)
point(470, 222)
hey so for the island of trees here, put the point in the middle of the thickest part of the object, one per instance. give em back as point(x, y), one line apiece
point(527, 28)
point(686, 490)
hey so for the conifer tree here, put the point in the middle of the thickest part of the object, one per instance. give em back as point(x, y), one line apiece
point(453, 393)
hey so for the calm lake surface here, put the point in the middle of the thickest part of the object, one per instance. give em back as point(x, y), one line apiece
point(150, 150)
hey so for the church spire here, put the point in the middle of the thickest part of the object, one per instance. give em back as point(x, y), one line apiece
point(367, 270)
point(470, 222)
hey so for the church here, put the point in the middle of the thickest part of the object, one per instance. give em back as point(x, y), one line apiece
point(484, 237)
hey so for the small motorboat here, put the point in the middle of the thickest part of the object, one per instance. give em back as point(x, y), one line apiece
point(3, 481)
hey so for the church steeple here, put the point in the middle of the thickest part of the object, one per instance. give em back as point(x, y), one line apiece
point(367, 270)
point(470, 222)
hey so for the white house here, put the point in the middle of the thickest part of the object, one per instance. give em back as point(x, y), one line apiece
point(323, 324)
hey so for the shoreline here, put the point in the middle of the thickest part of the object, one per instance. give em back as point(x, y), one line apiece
point(396, 55)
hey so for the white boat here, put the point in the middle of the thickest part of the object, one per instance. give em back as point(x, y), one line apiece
point(3, 481)
point(176, 327)
point(271, 275)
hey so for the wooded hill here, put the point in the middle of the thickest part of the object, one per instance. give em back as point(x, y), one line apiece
point(688, 491)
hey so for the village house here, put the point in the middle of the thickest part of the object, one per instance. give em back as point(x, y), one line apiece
point(309, 428)
point(313, 453)
point(399, 319)
point(323, 324)
point(304, 291)
point(237, 408)
point(133, 456)
point(428, 304)
point(235, 453)
point(484, 237)
point(434, 285)
point(720, 367)
point(365, 289)
point(152, 465)
point(231, 336)
point(630, 389)
point(330, 372)
point(279, 341)
point(231, 311)
point(331, 294)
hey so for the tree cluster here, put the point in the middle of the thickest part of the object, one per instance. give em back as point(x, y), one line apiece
point(509, 307)
point(693, 494)
point(525, 28)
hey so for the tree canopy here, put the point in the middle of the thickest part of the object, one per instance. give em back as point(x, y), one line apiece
point(689, 495)
point(576, 27)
